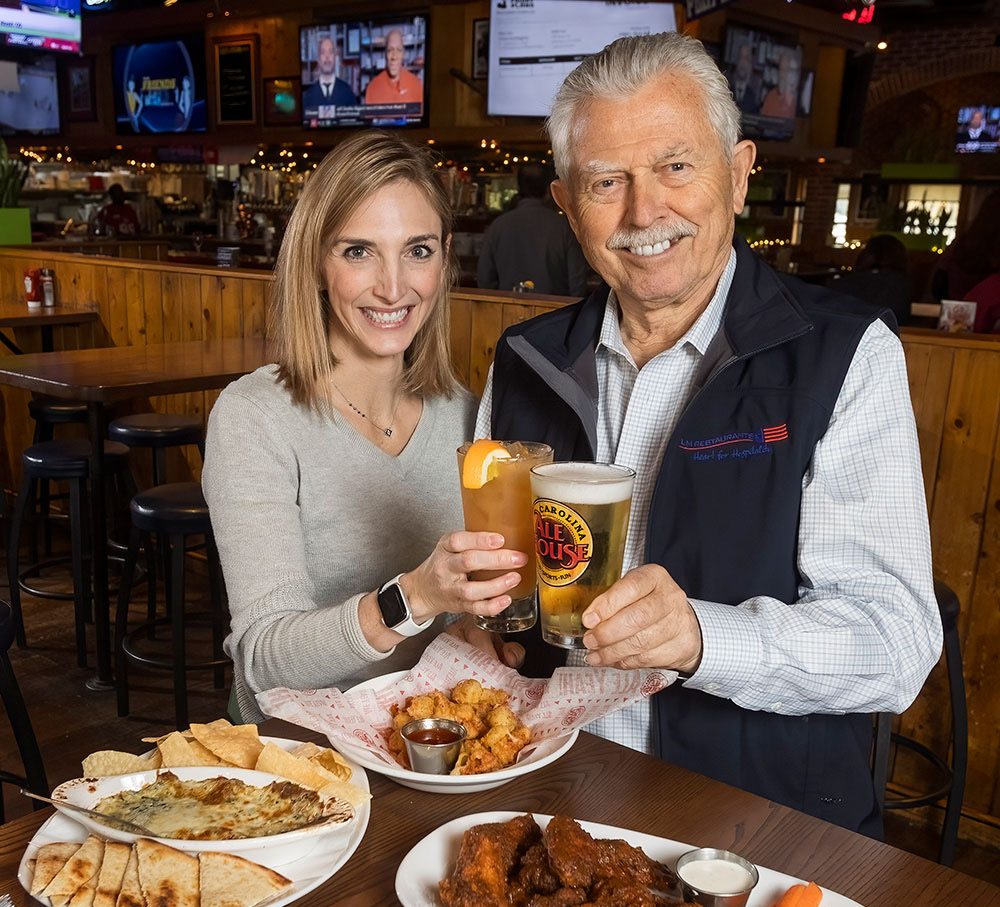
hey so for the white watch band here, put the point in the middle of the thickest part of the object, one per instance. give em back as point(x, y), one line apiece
point(407, 626)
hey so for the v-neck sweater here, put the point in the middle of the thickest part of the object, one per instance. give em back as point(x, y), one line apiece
point(309, 516)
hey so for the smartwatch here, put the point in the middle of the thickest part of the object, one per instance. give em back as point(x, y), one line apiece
point(396, 614)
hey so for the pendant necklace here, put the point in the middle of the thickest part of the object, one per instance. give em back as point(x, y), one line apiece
point(385, 431)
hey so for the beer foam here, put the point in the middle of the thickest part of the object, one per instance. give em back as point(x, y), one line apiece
point(582, 483)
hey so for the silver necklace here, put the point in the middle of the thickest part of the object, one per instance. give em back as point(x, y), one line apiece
point(385, 431)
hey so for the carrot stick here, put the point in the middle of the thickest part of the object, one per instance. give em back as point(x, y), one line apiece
point(801, 896)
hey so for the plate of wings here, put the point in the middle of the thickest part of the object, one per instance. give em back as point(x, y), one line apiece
point(509, 859)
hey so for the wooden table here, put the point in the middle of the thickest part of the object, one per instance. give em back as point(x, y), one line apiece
point(603, 782)
point(110, 374)
point(18, 315)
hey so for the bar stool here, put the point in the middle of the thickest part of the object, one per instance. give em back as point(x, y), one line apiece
point(20, 722)
point(952, 777)
point(173, 513)
point(47, 415)
point(67, 461)
point(158, 431)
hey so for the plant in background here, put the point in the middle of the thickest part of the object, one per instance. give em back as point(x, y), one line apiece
point(13, 173)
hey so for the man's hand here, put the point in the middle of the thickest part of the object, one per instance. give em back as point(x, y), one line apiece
point(643, 621)
point(510, 653)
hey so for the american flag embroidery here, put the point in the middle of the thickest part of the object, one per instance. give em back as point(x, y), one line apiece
point(773, 433)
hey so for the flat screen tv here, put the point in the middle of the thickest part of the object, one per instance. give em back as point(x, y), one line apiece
point(978, 130)
point(159, 86)
point(534, 46)
point(359, 72)
point(41, 24)
point(770, 88)
point(34, 108)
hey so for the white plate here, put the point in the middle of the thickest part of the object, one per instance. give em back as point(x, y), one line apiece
point(546, 752)
point(315, 862)
point(433, 858)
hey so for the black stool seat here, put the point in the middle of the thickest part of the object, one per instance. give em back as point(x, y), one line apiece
point(70, 459)
point(175, 508)
point(57, 411)
point(156, 430)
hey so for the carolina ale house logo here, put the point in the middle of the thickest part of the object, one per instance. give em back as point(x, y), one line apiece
point(563, 543)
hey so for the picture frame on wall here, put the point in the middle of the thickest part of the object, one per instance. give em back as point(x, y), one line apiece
point(236, 80)
point(81, 93)
point(282, 101)
point(480, 48)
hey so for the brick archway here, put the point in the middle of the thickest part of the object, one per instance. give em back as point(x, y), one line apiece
point(986, 59)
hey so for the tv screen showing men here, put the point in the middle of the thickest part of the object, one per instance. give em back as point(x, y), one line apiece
point(160, 86)
point(34, 108)
point(364, 72)
point(41, 24)
point(978, 130)
point(770, 88)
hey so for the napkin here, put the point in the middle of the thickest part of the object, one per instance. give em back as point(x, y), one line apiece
point(552, 708)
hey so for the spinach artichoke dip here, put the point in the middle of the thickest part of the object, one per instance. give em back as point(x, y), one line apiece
point(220, 809)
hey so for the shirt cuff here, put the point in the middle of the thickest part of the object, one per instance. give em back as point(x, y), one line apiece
point(731, 649)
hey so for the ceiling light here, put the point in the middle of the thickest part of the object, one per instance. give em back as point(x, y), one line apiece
point(169, 2)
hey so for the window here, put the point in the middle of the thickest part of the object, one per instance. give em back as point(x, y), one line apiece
point(839, 230)
point(932, 209)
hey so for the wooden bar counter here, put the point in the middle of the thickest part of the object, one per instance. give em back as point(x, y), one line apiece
point(954, 385)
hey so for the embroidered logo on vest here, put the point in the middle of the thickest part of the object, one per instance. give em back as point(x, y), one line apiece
point(737, 445)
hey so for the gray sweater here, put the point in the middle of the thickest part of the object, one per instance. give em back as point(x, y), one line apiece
point(309, 517)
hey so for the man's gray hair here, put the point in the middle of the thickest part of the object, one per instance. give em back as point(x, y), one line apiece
point(627, 65)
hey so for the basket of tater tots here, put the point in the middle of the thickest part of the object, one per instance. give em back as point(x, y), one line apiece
point(505, 725)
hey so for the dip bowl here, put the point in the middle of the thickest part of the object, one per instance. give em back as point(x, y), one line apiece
point(272, 850)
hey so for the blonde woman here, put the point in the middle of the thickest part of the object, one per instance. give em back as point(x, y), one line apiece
point(331, 476)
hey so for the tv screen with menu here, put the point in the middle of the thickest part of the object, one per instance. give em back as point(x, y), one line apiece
point(978, 130)
point(534, 46)
point(768, 83)
point(159, 86)
point(34, 108)
point(358, 72)
point(41, 24)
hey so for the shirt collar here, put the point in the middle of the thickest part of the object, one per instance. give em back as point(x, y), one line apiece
point(699, 335)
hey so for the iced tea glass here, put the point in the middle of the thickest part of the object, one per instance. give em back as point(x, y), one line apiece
point(503, 504)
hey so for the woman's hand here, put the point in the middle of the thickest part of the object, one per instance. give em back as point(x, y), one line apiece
point(441, 584)
point(466, 629)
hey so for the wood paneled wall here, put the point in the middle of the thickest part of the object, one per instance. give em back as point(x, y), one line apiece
point(954, 385)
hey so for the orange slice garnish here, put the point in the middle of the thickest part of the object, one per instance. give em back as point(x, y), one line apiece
point(480, 465)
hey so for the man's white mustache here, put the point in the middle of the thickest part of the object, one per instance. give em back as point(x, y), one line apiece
point(661, 233)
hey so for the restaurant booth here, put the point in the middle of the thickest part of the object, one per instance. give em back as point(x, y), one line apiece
point(870, 151)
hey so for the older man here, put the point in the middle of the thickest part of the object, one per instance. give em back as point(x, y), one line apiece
point(778, 552)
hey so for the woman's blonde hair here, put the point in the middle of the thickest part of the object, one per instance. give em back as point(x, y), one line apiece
point(299, 316)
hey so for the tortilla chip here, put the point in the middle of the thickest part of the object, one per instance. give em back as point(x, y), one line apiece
point(168, 877)
point(341, 790)
point(78, 871)
point(109, 879)
point(218, 724)
point(177, 752)
point(49, 860)
point(231, 881)
point(326, 758)
point(84, 896)
point(131, 893)
point(112, 762)
point(277, 761)
point(238, 745)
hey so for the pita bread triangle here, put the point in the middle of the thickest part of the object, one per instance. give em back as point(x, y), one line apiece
point(84, 896)
point(131, 893)
point(79, 869)
point(109, 879)
point(169, 877)
point(231, 881)
point(49, 860)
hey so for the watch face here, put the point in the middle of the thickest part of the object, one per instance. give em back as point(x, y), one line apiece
point(392, 605)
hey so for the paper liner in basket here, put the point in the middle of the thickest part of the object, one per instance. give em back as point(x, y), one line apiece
point(554, 707)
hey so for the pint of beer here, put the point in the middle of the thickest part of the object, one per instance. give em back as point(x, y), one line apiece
point(580, 512)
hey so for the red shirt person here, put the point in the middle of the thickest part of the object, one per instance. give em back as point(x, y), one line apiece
point(118, 216)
